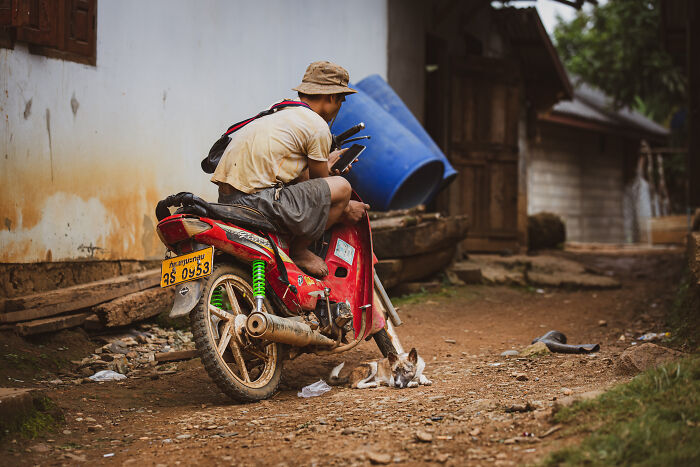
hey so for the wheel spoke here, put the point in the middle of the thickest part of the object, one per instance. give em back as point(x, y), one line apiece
point(225, 337)
point(232, 298)
point(223, 314)
point(239, 361)
point(256, 352)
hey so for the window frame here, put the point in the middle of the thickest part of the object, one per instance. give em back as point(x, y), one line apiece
point(63, 29)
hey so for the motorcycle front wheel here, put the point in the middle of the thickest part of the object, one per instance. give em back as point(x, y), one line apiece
point(245, 369)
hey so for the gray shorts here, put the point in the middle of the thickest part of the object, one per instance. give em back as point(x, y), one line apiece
point(302, 209)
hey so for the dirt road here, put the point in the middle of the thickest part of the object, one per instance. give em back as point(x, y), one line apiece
point(469, 415)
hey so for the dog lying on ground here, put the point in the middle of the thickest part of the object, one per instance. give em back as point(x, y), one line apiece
point(399, 371)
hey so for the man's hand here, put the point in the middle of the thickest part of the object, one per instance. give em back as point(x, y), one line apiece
point(335, 157)
point(354, 211)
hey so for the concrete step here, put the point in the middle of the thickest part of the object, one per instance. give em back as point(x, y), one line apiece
point(468, 272)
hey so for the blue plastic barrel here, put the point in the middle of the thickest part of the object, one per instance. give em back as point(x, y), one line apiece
point(396, 171)
point(386, 97)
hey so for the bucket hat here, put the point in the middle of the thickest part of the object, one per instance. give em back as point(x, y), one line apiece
point(325, 78)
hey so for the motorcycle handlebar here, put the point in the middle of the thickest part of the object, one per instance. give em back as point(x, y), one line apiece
point(348, 133)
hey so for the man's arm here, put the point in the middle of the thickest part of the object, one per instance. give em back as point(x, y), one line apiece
point(322, 169)
point(355, 210)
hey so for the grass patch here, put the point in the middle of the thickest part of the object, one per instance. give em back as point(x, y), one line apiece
point(44, 417)
point(684, 317)
point(21, 361)
point(462, 292)
point(652, 420)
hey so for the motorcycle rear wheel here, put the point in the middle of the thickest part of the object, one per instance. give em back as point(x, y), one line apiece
point(245, 369)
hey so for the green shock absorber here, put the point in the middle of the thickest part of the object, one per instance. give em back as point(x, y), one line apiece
point(217, 298)
point(259, 283)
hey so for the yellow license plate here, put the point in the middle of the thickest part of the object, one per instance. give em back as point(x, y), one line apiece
point(187, 267)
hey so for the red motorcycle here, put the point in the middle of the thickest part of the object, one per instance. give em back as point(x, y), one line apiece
point(251, 307)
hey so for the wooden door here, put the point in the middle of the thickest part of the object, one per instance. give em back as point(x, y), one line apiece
point(484, 110)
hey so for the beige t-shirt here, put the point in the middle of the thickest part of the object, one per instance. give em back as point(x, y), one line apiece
point(273, 149)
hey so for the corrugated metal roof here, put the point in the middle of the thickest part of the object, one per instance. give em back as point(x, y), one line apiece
point(592, 104)
point(579, 109)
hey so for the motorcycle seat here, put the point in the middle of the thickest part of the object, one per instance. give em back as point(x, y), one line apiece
point(243, 216)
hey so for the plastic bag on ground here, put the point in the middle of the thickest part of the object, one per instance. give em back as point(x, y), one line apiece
point(313, 390)
point(653, 336)
point(107, 375)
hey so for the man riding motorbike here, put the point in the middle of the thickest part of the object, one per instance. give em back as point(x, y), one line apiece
point(281, 166)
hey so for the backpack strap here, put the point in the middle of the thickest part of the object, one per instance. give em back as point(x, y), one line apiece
point(210, 162)
point(271, 110)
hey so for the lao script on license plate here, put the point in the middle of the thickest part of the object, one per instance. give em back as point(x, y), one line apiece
point(187, 267)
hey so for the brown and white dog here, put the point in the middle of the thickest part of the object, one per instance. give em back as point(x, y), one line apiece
point(399, 371)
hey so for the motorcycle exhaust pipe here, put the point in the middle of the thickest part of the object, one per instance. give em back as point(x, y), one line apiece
point(273, 328)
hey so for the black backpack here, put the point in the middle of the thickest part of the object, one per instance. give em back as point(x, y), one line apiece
point(210, 162)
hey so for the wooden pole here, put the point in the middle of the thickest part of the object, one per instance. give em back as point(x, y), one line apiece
point(693, 62)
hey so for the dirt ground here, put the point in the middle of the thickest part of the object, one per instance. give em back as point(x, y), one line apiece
point(465, 417)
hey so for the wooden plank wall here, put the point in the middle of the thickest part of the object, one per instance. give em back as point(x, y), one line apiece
point(485, 111)
point(578, 175)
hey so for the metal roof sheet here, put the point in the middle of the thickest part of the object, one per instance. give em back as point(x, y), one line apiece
point(593, 104)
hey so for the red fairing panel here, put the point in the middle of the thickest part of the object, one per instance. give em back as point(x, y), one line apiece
point(351, 248)
point(350, 263)
point(350, 256)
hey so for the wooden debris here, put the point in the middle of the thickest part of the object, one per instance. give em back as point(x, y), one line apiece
point(408, 288)
point(135, 307)
point(550, 431)
point(388, 223)
point(59, 301)
point(412, 268)
point(421, 238)
point(388, 271)
point(92, 323)
point(51, 324)
point(373, 215)
point(178, 355)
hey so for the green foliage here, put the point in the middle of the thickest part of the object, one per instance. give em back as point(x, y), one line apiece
point(684, 317)
point(617, 47)
point(463, 292)
point(44, 417)
point(652, 420)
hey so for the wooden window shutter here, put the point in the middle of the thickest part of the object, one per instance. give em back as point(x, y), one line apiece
point(10, 18)
point(43, 23)
point(80, 28)
point(5, 13)
point(64, 29)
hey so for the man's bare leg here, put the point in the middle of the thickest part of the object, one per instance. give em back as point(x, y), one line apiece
point(299, 248)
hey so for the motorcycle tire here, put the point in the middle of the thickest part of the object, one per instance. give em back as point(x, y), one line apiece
point(384, 342)
point(232, 363)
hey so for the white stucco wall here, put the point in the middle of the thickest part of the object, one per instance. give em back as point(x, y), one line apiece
point(171, 75)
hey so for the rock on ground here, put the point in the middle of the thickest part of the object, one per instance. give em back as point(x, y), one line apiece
point(641, 358)
point(541, 270)
point(538, 348)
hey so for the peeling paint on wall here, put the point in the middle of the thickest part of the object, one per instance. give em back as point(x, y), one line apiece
point(28, 109)
point(48, 130)
point(91, 223)
point(74, 104)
